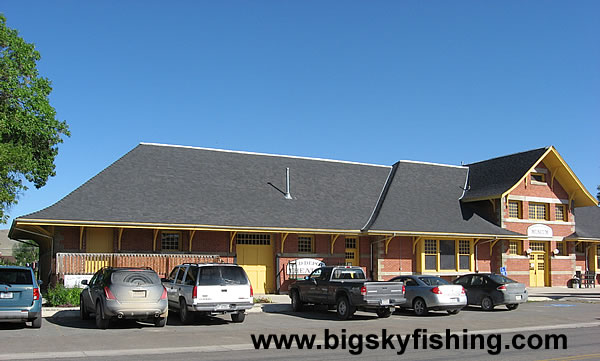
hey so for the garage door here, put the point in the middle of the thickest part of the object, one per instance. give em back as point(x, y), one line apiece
point(255, 255)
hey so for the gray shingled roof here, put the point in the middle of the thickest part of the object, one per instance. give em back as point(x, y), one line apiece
point(184, 185)
point(587, 223)
point(425, 197)
point(495, 176)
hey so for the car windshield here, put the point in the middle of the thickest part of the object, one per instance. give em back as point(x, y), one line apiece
point(219, 275)
point(135, 278)
point(15, 276)
point(348, 274)
point(501, 279)
point(434, 281)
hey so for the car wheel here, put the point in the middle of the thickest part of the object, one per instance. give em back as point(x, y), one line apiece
point(344, 309)
point(36, 322)
point(83, 314)
point(238, 317)
point(101, 322)
point(452, 312)
point(297, 305)
point(420, 307)
point(384, 312)
point(513, 306)
point(184, 314)
point(487, 304)
point(160, 321)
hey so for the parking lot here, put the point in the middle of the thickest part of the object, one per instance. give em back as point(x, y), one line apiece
point(63, 336)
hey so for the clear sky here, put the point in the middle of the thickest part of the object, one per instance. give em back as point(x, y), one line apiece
point(370, 81)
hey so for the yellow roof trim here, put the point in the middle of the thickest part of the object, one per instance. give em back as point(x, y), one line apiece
point(74, 223)
point(564, 164)
point(444, 234)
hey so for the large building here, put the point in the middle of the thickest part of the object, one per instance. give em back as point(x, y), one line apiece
point(279, 216)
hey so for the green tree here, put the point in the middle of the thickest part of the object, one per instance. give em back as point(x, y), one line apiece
point(25, 253)
point(29, 130)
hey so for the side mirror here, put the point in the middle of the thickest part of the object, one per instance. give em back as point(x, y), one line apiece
point(84, 282)
point(306, 277)
point(40, 282)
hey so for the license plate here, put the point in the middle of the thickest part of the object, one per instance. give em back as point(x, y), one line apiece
point(222, 307)
point(385, 302)
point(139, 294)
point(518, 297)
point(455, 299)
point(6, 295)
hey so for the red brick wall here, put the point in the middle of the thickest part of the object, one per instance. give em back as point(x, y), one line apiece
point(484, 259)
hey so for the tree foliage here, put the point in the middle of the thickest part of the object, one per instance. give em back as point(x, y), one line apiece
point(25, 253)
point(29, 130)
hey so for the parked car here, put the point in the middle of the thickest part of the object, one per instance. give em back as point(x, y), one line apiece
point(20, 298)
point(129, 293)
point(425, 293)
point(490, 289)
point(346, 288)
point(209, 289)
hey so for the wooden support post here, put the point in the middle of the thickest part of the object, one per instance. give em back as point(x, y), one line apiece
point(231, 239)
point(387, 243)
point(191, 236)
point(284, 236)
point(81, 230)
point(415, 242)
point(492, 246)
point(120, 236)
point(154, 240)
point(334, 238)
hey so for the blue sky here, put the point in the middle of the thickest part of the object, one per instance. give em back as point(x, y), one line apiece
point(374, 82)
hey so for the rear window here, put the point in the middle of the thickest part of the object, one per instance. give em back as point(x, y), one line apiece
point(348, 274)
point(434, 281)
point(222, 275)
point(15, 276)
point(134, 278)
point(501, 279)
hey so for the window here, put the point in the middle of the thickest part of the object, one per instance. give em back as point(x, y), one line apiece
point(180, 275)
point(537, 246)
point(562, 249)
point(170, 241)
point(514, 247)
point(350, 242)
point(580, 247)
point(515, 209)
point(561, 214)
point(305, 244)
point(464, 254)
point(447, 254)
point(538, 178)
point(431, 254)
point(538, 211)
point(253, 238)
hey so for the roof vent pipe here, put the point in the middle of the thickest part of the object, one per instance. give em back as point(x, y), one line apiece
point(287, 184)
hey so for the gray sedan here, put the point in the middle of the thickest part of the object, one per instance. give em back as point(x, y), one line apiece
point(424, 293)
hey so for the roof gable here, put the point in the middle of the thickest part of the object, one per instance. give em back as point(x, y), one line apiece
point(587, 223)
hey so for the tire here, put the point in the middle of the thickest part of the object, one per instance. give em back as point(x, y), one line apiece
point(512, 307)
point(487, 304)
point(184, 314)
point(420, 307)
point(101, 322)
point(160, 321)
point(36, 322)
point(453, 312)
point(344, 309)
point(297, 305)
point(384, 312)
point(83, 314)
point(238, 317)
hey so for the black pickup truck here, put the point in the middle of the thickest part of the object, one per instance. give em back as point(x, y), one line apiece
point(347, 289)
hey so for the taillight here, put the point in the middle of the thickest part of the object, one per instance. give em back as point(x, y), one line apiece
point(363, 291)
point(36, 294)
point(164, 294)
point(195, 292)
point(436, 290)
point(462, 292)
point(109, 295)
point(501, 288)
point(403, 289)
point(251, 291)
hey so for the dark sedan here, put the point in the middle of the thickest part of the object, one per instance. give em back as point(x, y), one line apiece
point(489, 290)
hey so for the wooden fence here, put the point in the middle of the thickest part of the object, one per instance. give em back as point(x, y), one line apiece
point(89, 263)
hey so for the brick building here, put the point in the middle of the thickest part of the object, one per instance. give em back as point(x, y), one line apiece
point(160, 204)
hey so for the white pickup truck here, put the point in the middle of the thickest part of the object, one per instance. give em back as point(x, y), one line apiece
point(209, 289)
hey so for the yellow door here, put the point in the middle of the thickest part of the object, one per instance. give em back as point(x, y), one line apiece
point(537, 270)
point(99, 240)
point(257, 261)
point(351, 251)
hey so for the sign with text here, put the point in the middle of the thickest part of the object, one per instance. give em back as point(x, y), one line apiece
point(539, 231)
point(303, 266)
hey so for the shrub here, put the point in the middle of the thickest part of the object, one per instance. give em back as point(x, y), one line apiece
point(59, 296)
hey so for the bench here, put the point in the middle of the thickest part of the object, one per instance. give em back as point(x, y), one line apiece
point(588, 279)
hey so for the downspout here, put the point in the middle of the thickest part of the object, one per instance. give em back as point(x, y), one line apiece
point(372, 243)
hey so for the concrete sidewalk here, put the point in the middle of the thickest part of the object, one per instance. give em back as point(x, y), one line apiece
point(564, 294)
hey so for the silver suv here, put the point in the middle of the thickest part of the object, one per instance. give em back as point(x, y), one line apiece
point(209, 289)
